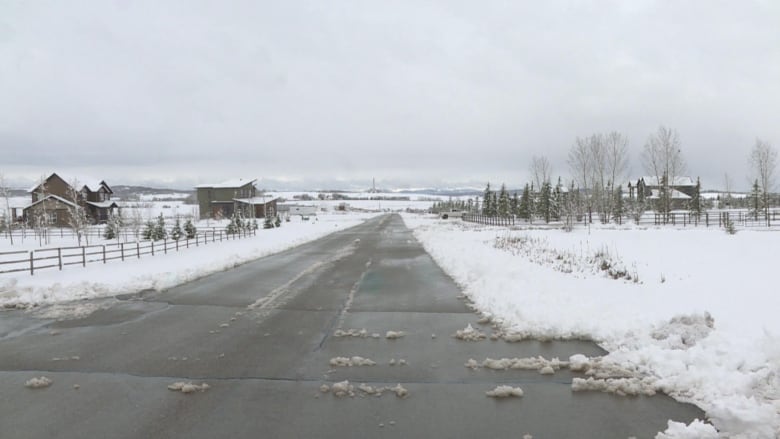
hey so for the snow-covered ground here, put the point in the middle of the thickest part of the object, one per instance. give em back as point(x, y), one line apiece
point(693, 312)
point(163, 271)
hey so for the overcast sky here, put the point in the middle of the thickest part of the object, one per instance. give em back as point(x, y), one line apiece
point(417, 93)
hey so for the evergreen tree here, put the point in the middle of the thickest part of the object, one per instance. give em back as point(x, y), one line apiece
point(514, 204)
point(189, 229)
point(545, 202)
point(278, 222)
point(524, 208)
point(232, 227)
point(695, 205)
point(756, 200)
point(148, 232)
point(618, 209)
point(159, 231)
point(254, 224)
point(176, 232)
point(113, 226)
point(268, 223)
point(488, 198)
point(493, 204)
point(503, 202)
point(477, 206)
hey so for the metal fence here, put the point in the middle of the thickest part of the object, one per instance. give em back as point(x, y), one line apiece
point(59, 257)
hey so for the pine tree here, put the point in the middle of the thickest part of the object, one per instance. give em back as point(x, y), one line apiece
point(618, 208)
point(524, 208)
point(189, 229)
point(514, 204)
point(148, 232)
point(503, 202)
point(694, 205)
point(545, 202)
point(176, 232)
point(159, 231)
point(113, 226)
point(232, 227)
point(278, 222)
point(756, 200)
point(487, 199)
point(268, 223)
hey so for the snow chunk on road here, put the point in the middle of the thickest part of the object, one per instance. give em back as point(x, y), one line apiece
point(695, 430)
point(362, 333)
point(343, 388)
point(38, 383)
point(505, 392)
point(400, 391)
point(183, 387)
point(469, 334)
point(618, 386)
point(392, 335)
point(541, 364)
point(349, 362)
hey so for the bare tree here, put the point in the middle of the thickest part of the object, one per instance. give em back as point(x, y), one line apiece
point(5, 193)
point(662, 158)
point(41, 219)
point(540, 170)
point(77, 215)
point(763, 160)
point(616, 150)
point(598, 177)
point(580, 167)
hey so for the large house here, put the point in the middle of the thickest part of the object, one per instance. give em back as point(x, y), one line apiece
point(681, 190)
point(222, 200)
point(55, 198)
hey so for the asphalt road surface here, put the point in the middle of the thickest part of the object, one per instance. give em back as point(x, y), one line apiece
point(262, 336)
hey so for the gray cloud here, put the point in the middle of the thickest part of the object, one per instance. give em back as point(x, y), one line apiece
point(437, 92)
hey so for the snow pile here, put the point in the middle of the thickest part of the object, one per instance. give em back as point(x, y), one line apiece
point(362, 333)
point(541, 364)
point(700, 325)
point(350, 362)
point(183, 387)
point(38, 383)
point(162, 271)
point(469, 334)
point(505, 392)
point(392, 335)
point(695, 430)
point(618, 386)
point(344, 388)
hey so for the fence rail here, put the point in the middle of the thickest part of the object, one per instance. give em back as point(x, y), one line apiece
point(59, 257)
point(717, 218)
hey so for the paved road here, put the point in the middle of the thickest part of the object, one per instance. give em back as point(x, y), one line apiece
point(262, 335)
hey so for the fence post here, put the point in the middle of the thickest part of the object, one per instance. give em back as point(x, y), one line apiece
point(138, 249)
point(104, 254)
point(152, 247)
point(165, 246)
point(196, 240)
point(59, 257)
point(122, 250)
point(32, 263)
point(83, 256)
point(177, 245)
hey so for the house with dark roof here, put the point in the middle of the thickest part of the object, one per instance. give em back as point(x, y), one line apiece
point(57, 196)
point(681, 190)
point(221, 200)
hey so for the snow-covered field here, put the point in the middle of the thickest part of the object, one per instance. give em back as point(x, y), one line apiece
point(693, 313)
point(163, 271)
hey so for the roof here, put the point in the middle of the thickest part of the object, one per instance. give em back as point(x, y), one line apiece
point(103, 204)
point(234, 183)
point(91, 183)
point(676, 195)
point(255, 200)
point(55, 197)
point(678, 181)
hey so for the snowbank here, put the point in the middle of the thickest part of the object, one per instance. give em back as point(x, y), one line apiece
point(163, 271)
point(692, 313)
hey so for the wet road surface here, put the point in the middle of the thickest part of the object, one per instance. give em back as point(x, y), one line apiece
point(262, 335)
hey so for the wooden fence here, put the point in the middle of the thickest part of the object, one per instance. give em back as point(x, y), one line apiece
point(740, 218)
point(41, 259)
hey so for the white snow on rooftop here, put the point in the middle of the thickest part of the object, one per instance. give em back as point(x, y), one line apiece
point(92, 183)
point(236, 182)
